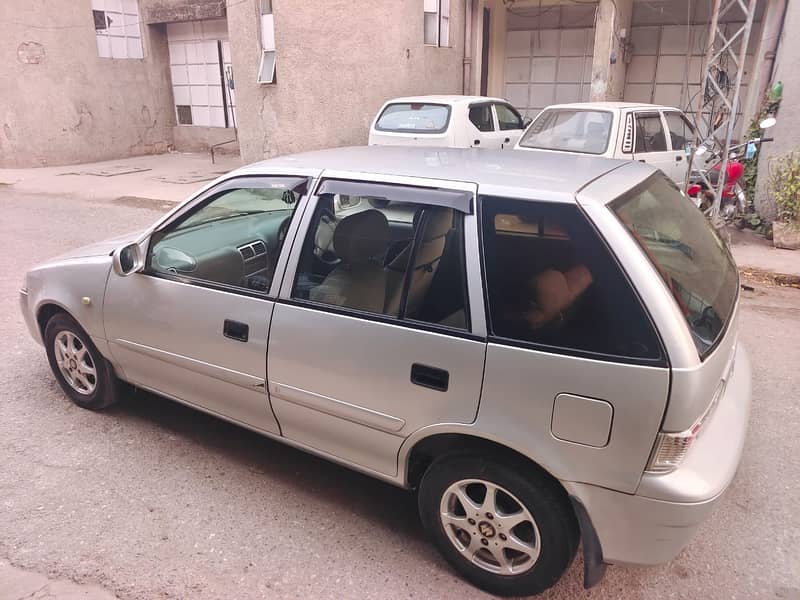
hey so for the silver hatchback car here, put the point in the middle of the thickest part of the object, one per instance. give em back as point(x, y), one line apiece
point(545, 347)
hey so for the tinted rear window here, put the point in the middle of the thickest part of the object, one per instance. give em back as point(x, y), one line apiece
point(570, 130)
point(408, 117)
point(688, 253)
point(553, 284)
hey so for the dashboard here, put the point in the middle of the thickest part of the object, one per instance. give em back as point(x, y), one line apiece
point(241, 250)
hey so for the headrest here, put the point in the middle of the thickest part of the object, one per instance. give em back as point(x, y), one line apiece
point(438, 222)
point(361, 237)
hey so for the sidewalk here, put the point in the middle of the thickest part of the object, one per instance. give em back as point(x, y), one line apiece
point(18, 584)
point(171, 177)
point(752, 251)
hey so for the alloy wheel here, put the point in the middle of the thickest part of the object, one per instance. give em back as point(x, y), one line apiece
point(490, 527)
point(75, 362)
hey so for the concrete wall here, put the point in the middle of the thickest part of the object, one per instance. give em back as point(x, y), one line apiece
point(200, 139)
point(787, 70)
point(337, 62)
point(61, 104)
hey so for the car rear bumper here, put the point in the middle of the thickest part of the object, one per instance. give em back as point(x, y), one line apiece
point(653, 525)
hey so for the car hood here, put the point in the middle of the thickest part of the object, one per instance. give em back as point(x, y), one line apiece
point(102, 248)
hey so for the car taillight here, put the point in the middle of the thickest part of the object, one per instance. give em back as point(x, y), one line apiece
point(670, 448)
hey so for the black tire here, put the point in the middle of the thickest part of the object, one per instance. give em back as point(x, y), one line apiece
point(740, 223)
point(545, 500)
point(106, 385)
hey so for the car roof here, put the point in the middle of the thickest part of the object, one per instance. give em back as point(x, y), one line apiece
point(612, 105)
point(446, 99)
point(527, 175)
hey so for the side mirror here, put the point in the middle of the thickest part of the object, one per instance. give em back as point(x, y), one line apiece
point(526, 121)
point(127, 260)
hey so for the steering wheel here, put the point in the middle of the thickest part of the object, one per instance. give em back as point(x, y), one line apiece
point(323, 239)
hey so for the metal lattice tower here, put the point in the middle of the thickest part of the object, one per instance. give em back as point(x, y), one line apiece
point(718, 102)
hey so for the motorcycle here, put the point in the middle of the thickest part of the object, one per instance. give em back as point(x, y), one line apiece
point(733, 206)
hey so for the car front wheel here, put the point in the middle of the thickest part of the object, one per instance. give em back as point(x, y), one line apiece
point(510, 531)
point(86, 377)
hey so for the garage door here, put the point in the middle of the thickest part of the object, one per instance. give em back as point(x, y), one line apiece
point(548, 66)
point(667, 60)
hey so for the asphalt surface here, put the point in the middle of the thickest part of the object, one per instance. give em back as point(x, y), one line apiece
point(154, 500)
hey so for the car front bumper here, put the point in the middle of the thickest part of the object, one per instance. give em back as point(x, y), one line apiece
point(27, 314)
point(653, 525)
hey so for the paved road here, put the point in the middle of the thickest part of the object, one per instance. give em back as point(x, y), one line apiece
point(153, 500)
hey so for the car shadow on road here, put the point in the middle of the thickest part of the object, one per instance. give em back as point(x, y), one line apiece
point(391, 507)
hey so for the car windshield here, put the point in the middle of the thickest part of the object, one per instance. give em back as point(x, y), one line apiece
point(570, 130)
point(413, 117)
point(244, 202)
point(688, 253)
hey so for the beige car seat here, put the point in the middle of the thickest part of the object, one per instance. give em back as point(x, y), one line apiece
point(436, 223)
point(359, 280)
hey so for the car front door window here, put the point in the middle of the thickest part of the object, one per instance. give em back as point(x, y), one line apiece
point(508, 117)
point(649, 133)
point(232, 240)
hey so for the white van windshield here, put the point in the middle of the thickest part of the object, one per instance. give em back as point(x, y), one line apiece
point(413, 117)
point(569, 130)
point(687, 252)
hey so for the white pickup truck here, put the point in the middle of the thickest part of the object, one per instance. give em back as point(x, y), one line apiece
point(657, 135)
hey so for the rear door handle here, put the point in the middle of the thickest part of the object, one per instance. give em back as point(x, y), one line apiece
point(507, 140)
point(430, 377)
point(678, 158)
point(236, 330)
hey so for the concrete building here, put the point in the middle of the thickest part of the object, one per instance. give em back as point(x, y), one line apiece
point(549, 52)
point(781, 53)
point(113, 78)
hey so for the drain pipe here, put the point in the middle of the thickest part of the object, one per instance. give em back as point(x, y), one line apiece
point(467, 70)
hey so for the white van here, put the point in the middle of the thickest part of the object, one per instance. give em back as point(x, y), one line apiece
point(649, 133)
point(449, 121)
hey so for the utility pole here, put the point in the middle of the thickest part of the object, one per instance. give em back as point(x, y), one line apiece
point(718, 103)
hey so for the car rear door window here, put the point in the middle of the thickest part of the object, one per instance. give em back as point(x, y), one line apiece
point(392, 257)
point(552, 283)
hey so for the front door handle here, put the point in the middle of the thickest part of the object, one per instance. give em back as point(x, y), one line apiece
point(430, 377)
point(678, 158)
point(236, 330)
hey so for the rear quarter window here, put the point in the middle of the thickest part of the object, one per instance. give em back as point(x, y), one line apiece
point(412, 117)
point(554, 285)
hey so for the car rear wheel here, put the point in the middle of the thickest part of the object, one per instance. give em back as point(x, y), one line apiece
point(86, 377)
point(509, 531)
